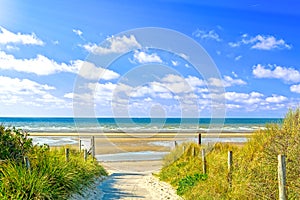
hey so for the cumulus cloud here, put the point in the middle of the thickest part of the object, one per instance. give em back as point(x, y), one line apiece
point(90, 71)
point(227, 81)
point(251, 98)
point(255, 101)
point(279, 72)
point(276, 99)
point(207, 35)
point(295, 88)
point(8, 37)
point(114, 44)
point(143, 57)
point(40, 65)
point(25, 92)
point(261, 42)
point(77, 32)
point(22, 86)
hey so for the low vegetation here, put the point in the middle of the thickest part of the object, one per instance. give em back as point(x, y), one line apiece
point(50, 176)
point(254, 171)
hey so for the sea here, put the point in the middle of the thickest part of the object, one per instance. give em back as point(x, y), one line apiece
point(96, 125)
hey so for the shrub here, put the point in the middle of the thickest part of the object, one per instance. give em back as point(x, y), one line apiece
point(50, 176)
point(14, 143)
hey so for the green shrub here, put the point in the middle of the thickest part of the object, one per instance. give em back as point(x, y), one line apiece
point(50, 176)
point(14, 143)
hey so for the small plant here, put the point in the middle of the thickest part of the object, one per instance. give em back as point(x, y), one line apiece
point(188, 182)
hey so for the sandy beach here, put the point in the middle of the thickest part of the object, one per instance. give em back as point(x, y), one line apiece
point(112, 143)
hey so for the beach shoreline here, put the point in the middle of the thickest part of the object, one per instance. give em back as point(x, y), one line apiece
point(118, 143)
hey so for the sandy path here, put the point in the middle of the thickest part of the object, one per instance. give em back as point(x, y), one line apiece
point(134, 181)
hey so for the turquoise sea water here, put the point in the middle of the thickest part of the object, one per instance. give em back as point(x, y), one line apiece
point(94, 125)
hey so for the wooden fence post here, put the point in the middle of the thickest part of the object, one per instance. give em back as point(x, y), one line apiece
point(85, 154)
point(93, 147)
point(230, 162)
point(193, 151)
point(203, 161)
point(67, 151)
point(282, 177)
point(27, 163)
point(79, 145)
point(199, 139)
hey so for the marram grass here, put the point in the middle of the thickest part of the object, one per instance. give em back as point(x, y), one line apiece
point(49, 177)
point(254, 165)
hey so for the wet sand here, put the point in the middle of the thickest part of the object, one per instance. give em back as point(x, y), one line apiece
point(111, 143)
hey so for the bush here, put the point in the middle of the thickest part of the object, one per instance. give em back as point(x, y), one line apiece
point(14, 143)
point(50, 176)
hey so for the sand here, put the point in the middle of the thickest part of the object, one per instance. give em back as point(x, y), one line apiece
point(130, 180)
point(134, 179)
point(107, 143)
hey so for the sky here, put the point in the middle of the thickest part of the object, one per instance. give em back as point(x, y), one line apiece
point(100, 58)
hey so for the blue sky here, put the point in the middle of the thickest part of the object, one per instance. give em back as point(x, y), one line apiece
point(47, 47)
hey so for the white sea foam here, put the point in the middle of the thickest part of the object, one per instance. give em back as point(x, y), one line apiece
point(54, 141)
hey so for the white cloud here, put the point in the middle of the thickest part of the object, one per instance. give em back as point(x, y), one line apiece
point(232, 44)
point(195, 81)
point(143, 57)
point(77, 32)
point(119, 44)
point(166, 95)
point(40, 65)
point(276, 99)
point(227, 81)
point(295, 88)
point(69, 95)
point(25, 92)
point(238, 58)
point(252, 98)
point(184, 56)
point(234, 74)
point(268, 42)
point(7, 37)
point(207, 35)
point(89, 71)
point(174, 63)
point(283, 73)
point(22, 86)
point(262, 42)
point(12, 48)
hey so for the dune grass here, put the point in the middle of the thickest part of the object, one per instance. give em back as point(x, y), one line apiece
point(254, 171)
point(50, 176)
